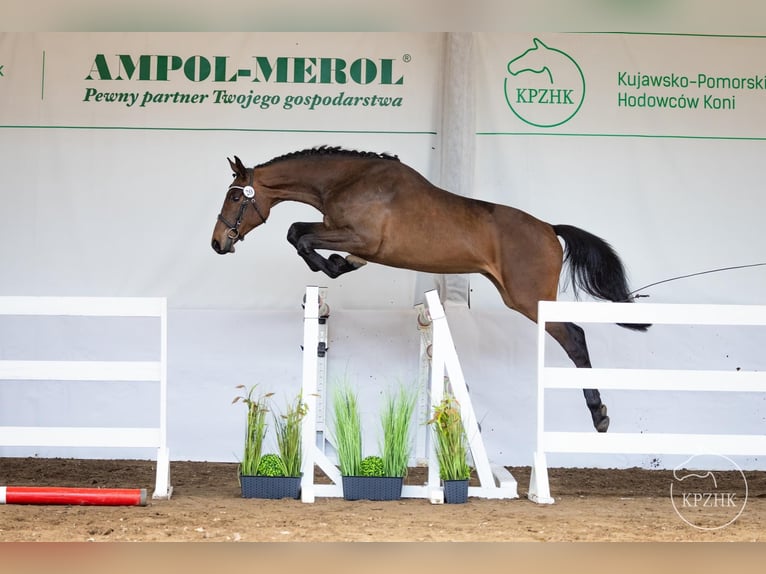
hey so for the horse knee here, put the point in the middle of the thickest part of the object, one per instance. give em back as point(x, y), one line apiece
point(294, 233)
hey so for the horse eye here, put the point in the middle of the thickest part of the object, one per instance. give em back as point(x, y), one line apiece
point(236, 197)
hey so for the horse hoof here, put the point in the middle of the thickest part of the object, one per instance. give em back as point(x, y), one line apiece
point(355, 261)
point(603, 425)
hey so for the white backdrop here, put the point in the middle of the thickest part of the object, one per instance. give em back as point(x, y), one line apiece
point(105, 199)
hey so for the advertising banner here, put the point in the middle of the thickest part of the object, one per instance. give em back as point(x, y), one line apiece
point(266, 81)
point(623, 85)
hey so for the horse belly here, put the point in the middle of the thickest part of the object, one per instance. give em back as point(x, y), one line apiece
point(436, 249)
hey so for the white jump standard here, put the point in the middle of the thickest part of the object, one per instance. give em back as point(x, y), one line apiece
point(65, 371)
point(496, 482)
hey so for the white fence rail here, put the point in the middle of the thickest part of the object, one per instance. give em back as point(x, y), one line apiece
point(640, 379)
point(89, 436)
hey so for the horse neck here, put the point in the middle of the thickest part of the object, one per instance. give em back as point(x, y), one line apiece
point(288, 181)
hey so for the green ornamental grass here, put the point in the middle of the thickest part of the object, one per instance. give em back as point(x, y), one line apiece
point(255, 429)
point(347, 430)
point(288, 427)
point(396, 421)
point(451, 440)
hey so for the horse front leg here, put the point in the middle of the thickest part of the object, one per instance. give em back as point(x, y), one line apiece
point(308, 237)
point(294, 233)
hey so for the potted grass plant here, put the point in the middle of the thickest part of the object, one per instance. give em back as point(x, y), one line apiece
point(255, 429)
point(396, 419)
point(288, 426)
point(451, 445)
point(373, 477)
point(271, 475)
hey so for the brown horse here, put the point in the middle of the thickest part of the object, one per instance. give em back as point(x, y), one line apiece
point(378, 209)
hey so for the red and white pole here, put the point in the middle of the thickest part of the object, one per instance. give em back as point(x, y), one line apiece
point(81, 496)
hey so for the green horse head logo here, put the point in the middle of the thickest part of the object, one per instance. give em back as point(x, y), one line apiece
point(546, 87)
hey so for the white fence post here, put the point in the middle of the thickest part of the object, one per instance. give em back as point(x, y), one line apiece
point(640, 379)
point(423, 405)
point(109, 437)
point(314, 372)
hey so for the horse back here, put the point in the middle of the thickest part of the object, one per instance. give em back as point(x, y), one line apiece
point(407, 221)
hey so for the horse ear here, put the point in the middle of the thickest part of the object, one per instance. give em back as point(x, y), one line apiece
point(237, 166)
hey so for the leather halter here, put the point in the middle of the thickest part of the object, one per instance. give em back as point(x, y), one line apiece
point(248, 191)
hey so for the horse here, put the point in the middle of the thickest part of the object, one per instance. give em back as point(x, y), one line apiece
point(377, 209)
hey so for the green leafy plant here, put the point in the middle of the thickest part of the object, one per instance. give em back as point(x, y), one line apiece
point(450, 440)
point(270, 465)
point(255, 428)
point(347, 429)
point(371, 466)
point(288, 427)
point(396, 418)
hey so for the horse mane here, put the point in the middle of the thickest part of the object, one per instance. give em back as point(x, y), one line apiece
point(329, 151)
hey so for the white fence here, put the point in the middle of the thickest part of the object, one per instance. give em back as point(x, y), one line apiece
point(640, 379)
point(131, 371)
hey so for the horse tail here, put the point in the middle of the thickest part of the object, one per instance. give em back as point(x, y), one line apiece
point(595, 267)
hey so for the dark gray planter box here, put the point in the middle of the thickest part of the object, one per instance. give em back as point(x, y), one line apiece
point(270, 486)
point(372, 487)
point(455, 491)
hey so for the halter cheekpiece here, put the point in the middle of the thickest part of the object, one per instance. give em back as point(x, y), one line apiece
point(249, 192)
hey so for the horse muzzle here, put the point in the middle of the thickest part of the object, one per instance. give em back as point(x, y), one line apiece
point(227, 247)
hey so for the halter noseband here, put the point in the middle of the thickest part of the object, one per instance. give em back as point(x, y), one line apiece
point(249, 192)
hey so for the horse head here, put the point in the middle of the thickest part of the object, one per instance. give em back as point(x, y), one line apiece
point(243, 209)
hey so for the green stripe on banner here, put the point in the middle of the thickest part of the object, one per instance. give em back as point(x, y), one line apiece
point(644, 136)
point(182, 129)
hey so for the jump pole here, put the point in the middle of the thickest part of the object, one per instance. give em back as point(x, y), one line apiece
point(73, 496)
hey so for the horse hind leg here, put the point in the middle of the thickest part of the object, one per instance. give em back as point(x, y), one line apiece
point(571, 337)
